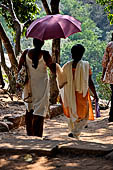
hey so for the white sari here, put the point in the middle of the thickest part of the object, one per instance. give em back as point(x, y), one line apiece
point(38, 87)
point(67, 86)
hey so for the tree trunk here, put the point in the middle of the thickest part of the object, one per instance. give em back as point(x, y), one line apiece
point(6, 69)
point(46, 7)
point(55, 55)
point(9, 49)
point(10, 72)
point(56, 58)
point(55, 49)
point(55, 6)
point(18, 29)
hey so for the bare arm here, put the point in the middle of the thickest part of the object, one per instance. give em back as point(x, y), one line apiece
point(103, 72)
point(21, 63)
point(48, 61)
point(22, 60)
point(105, 61)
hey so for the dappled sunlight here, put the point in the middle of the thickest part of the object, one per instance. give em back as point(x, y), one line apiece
point(18, 162)
point(74, 164)
point(98, 134)
point(42, 163)
point(3, 163)
point(99, 130)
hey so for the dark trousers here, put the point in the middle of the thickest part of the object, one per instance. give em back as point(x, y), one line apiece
point(111, 109)
point(34, 124)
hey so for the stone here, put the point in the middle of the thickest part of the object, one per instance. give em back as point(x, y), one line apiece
point(10, 125)
point(109, 156)
point(55, 110)
point(4, 127)
point(17, 120)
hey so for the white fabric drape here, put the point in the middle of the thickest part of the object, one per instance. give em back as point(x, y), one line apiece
point(39, 82)
point(68, 86)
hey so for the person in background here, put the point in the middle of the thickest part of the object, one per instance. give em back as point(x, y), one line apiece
point(74, 81)
point(37, 86)
point(107, 73)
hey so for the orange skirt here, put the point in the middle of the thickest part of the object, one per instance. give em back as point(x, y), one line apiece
point(83, 104)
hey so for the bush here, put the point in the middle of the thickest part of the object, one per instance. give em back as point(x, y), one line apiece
point(103, 89)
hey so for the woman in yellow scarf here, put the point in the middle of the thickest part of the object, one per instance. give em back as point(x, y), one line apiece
point(74, 81)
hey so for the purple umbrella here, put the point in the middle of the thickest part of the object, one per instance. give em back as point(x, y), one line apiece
point(53, 26)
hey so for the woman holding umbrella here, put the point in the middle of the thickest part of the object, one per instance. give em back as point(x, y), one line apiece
point(47, 27)
point(37, 86)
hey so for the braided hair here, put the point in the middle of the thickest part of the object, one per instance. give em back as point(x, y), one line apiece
point(37, 49)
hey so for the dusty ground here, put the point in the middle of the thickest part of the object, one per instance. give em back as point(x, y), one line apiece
point(99, 131)
point(18, 162)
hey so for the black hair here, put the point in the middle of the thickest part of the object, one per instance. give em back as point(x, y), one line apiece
point(112, 37)
point(77, 50)
point(38, 45)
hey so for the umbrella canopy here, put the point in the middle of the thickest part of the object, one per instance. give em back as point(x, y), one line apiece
point(53, 26)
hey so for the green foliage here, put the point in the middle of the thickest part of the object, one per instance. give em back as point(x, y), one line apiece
point(66, 46)
point(108, 6)
point(95, 27)
point(98, 15)
point(26, 43)
point(7, 30)
point(5, 78)
point(89, 37)
point(25, 10)
point(94, 53)
point(104, 90)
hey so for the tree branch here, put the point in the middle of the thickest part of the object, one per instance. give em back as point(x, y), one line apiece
point(27, 23)
point(4, 6)
point(55, 6)
point(6, 69)
point(46, 7)
point(17, 26)
point(12, 11)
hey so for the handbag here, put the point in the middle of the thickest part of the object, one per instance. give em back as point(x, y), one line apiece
point(97, 110)
point(23, 80)
point(22, 76)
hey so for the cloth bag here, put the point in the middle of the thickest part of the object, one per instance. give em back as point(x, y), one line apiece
point(97, 110)
point(22, 76)
point(24, 82)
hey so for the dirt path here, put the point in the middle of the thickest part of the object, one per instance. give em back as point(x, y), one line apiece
point(99, 131)
point(18, 162)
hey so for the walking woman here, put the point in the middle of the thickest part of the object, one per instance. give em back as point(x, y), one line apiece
point(74, 80)
point(37, 86)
